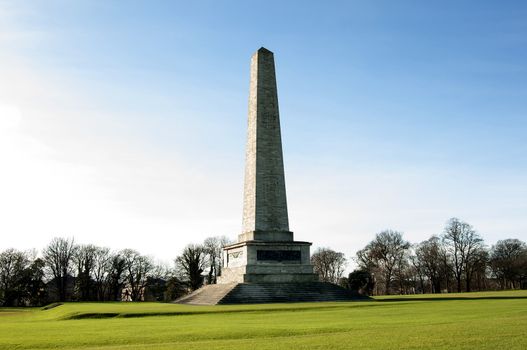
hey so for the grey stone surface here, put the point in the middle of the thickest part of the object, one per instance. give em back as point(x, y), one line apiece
point(264, 204)
point(262, 292)
point(210, 294)
point(241, 263)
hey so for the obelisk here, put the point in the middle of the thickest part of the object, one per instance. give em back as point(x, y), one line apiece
point(265, 251)
point(264, 202)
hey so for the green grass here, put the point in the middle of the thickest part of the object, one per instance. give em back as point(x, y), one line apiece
point(495, 320)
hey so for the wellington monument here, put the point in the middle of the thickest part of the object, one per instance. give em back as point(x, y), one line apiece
point(266, 264)
point(266, 251)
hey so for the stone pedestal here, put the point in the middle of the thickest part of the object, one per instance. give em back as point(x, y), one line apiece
point(258, 261)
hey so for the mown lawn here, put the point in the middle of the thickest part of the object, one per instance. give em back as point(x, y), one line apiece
point(496, 320)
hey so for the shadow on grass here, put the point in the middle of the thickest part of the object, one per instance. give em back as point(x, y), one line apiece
point(99, 315)
point(450, 298)
point(51, 306)
point(256, 308)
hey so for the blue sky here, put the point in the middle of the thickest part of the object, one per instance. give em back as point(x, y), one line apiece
point(123, 123)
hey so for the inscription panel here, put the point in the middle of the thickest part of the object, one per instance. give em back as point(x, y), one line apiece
point(235, 258)
point(278, 255)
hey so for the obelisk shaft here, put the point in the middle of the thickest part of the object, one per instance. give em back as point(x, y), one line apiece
point(264, 205)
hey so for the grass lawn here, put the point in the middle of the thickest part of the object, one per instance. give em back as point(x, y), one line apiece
point(492, 320)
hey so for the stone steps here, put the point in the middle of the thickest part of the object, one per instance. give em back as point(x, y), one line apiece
point(256, 293)
point(285, 292)
point(210, 294)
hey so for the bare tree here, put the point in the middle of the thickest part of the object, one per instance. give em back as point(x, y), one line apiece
point(138, 269)
point(84, 261)
point(58, 256)
point(115, 278)
point(213, 247)
point(418, 271)
point(190, 265)
point(405, 273)
point(428, 254)
point(461, 243)
point(384, 254)
point(328, 264)
point(477, 268)
point(101, 270)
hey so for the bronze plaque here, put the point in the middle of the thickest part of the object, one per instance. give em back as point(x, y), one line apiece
point(278, 255)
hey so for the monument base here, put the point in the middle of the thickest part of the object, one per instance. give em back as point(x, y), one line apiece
point(257, 261)
point(238, 276)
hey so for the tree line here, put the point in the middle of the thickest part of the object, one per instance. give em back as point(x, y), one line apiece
point(66, 271)
point(455, 261)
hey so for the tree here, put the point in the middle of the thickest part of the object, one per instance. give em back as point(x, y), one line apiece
point(101, 270)
point(477, 267)
point(384, 254)
point(33, 282)
point(461, 243)
point(84, 261)
point(175, 288)
point(157, 283)
point(116, 276)
point(417, 271)
point(21, 279)
point(190, 265)
point(58, 257)
point(328, 264)
point(361, 282)
point(446, 269)
point(12, 266)
point(429, 256)
point(405, 274)
point(137, 271)
point(213, 247)
point(508, 262)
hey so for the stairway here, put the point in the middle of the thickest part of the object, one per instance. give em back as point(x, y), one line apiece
point(210, 294)
point(256, 293)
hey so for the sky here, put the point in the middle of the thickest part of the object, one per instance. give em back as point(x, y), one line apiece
point(122, 123)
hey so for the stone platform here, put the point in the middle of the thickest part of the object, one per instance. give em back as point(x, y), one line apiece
point(259, 293)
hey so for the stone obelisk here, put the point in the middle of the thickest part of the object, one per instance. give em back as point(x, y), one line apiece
point(264, 202)
point(266, 251)
point(266, 264)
